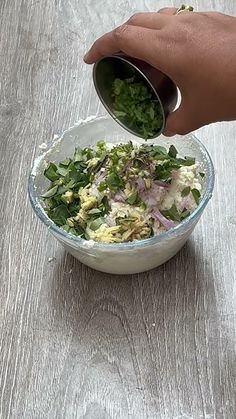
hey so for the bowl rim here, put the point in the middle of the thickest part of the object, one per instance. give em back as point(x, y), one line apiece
point(110, 111)
point(83, 243)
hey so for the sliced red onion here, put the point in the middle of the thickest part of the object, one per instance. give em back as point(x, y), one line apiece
point(99, 177)
point(140, 184)
point(119, 197)
point(156, 214)
point(162, 184)
point(186, 203)
point(152, 196)
point(110, 222)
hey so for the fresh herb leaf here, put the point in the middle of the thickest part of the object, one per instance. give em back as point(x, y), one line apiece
point(65, 162)
point(133, 199)
point(95, 224)
point(94, 211)
point(63, 171)
point(196, 195)
point(114, 181)
point(102, 186)
point(187, 161)
point(51, 172)
point(59, 214)
point(172, 151)
point(202, 174)
point(105, 206)
point(172, 213)
point(51, 192)
point(164, 171)
point(184, 214)
point(186, 191)
point(78, 155)
point(135, 104)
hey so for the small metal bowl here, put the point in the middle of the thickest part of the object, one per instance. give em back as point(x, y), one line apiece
point(121, 66)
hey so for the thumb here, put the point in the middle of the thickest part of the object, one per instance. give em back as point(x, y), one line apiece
point(180, 122)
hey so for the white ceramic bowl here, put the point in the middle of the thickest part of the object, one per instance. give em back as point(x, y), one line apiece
point(118, 258)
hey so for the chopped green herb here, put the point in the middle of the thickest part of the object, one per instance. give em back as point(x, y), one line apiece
point(172, 213)
point(114, 181)
point(133, 199)
point(186, 191)
point(51, 192)
point(96, 223)
point(94, 211)
point(172, 151)
point(202, 174)
point(135, 104)
point(59, 214)
point(102, 186)
point(51, 172)
point(196, 194)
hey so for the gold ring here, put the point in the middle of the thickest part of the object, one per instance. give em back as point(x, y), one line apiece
point(184, 8)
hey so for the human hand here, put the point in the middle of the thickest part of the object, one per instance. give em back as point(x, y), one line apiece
point(196, 50)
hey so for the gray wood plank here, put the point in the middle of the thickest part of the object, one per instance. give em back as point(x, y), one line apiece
point(75, 343)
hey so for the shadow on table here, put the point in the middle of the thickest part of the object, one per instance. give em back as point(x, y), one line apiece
point(185, 282)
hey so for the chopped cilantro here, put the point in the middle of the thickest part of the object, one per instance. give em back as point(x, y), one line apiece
point(114, 181)
point(135, 104)
point(133, 199)
point(172, 151)
point(196, 194)
point(186, 191)
point(51, 172)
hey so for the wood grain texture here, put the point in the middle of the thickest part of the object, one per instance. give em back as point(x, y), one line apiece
point(76, 343)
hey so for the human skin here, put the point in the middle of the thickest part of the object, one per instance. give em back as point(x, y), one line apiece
point(196, 50)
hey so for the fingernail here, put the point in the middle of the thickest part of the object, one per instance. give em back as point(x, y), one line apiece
point(168, 133)
point(86, 57)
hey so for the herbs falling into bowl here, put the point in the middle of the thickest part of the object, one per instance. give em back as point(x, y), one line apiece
point(136, 106)
point(124, 193)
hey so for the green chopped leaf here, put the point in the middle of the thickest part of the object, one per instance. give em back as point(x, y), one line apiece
point(196, 195)
point(63, 171)
point(133, 198)
point(184, 214)
point(186, 191)
point(202, 174)
point(105, 206)
point(94, 211)
point(164, 171)
point(120, 114)
point(51, 172)
point(187, 161)
point(65, 162)
point(172, 151)
point(136, 105)
point(102, 186)
point(172, 213)
point(95, 224)
point(59, 214)
point(51, 192)
point(114, 181)
point(78, 155)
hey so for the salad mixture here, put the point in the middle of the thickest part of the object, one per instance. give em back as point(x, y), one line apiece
point(122, 193)
point(135, 104)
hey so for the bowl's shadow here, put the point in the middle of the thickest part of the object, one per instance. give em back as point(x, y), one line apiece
point(182, 287)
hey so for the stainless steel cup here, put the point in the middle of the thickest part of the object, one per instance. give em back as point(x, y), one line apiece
point(122, 66)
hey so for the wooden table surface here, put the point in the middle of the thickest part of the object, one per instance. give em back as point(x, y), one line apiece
point(76, 343)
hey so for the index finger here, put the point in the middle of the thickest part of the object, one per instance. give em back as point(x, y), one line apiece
point(142, 43)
